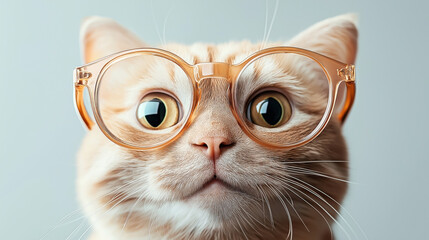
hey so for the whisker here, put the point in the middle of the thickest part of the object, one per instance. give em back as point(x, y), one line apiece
point(301, 170)
point(76, 229)
point(293, 208)
point(119, 202)
point(286, 210)
point(83, 234)
point(311, 205)
point(336, 202)
point(316, 161)
point(155, 22)
point(242, 230)
point(130, 212)
point(272, 21)
point(61, 221)
point(262, 200)
point(249, 223)
point(318, 204)
point(268, 206)
point(266, 24)
point(266, 37)
point(287, 180)
point(114, 198)
point(165, 22)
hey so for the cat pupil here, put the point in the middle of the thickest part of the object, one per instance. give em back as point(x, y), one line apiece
point(154, 111)
point(271, 110)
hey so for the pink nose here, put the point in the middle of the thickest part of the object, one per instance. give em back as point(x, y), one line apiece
point(213, 146)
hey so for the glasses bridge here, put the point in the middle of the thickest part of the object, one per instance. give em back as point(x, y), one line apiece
point(211, 70)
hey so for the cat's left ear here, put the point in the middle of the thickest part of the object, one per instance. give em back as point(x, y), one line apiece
point(101, 36)
point(334, 37)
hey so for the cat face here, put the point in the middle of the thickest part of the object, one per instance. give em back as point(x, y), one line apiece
point(214, 182)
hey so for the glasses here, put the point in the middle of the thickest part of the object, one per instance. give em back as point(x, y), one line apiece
point(281, 97)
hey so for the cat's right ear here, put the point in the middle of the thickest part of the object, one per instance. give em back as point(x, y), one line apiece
point(100, 37)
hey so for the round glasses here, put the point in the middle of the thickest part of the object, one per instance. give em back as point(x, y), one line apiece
point(281, 97)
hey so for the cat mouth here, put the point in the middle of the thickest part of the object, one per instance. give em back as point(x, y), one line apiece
point(214, 181)
point(214, 187)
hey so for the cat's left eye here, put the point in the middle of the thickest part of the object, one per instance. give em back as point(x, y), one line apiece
point(269, 109)
point(158, 111)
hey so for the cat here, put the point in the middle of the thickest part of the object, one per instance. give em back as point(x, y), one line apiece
point(128, 194)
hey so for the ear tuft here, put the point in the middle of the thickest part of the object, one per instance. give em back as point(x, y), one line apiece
point(101, 36)
point(348, 17)
point(334, 37)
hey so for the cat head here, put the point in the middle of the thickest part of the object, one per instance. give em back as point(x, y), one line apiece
point(214, 181)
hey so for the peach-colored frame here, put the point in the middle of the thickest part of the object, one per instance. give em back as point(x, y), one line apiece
point(89, 75)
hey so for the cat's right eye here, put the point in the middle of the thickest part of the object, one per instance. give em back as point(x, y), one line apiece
point(158, 110)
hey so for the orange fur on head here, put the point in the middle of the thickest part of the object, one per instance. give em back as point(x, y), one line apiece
point(162, 193)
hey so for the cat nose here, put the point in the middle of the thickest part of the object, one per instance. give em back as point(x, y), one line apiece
point(213, 146)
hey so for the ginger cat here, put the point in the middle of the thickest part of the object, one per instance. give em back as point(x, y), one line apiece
point(256, 193)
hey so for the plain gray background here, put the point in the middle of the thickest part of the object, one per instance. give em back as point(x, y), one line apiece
point(40, 132)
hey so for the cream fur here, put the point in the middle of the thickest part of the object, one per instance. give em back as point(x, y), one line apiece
point(155, 185)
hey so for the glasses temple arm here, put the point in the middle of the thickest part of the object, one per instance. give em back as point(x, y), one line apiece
point(351, 91)
point(80, 106)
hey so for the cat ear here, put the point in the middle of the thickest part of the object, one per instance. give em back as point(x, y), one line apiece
point(102, 36)
point(334, 37)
